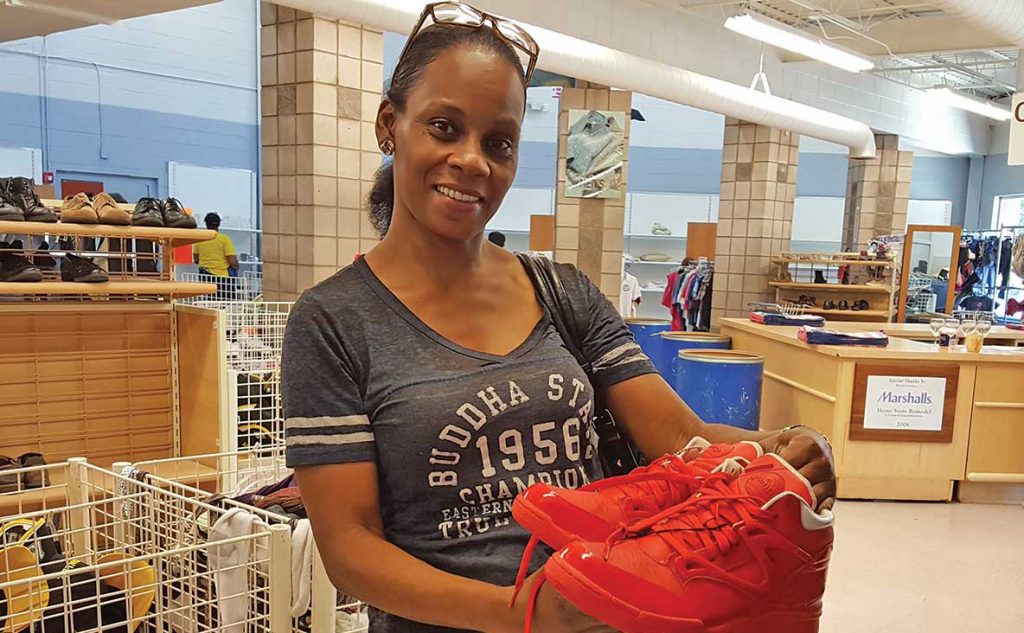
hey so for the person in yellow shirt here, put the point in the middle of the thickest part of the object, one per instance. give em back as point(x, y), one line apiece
point(217, 258)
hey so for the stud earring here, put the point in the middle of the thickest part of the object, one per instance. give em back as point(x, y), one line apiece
point(387, 146)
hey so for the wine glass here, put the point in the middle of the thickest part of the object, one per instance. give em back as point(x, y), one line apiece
point(968, 325)
point(984, 326)
point(936, 325)
point(950, 326)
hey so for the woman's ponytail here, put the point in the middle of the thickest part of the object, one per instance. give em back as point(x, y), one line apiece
point(381, 200)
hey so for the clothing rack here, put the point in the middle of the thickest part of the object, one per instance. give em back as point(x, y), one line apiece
point(986, 286)
point(1013, 232)
point(693, 311)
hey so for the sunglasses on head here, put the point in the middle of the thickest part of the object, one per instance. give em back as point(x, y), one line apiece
point(457, 14)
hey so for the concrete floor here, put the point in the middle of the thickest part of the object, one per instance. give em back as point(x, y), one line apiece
point(926, 567)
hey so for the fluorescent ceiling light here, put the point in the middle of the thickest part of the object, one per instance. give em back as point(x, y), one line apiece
point(978, 106)
point(778, 34)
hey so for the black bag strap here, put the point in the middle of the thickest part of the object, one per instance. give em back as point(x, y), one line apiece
point(552, 295)
point(617, 456)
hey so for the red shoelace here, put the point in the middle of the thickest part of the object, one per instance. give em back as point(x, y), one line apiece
point(713, 523)
point(650, 488)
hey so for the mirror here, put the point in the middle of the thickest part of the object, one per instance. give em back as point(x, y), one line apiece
point(928, 278)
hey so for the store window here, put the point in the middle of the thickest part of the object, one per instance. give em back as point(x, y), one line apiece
point(1008, 211)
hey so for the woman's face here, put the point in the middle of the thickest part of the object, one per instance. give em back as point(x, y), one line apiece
point(457, 142)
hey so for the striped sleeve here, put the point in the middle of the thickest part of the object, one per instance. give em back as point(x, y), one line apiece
point(325, 420)
point(607, 342)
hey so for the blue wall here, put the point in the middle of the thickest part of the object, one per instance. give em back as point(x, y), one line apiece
point(821, 175)
point(942, 178)
point(998, 179)
point(117, 103)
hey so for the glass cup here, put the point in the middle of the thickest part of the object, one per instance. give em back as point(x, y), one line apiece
point(947, 335)
point(936, 326)
point(974, 342)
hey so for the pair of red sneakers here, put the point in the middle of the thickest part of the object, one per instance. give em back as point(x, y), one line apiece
point(728, 542)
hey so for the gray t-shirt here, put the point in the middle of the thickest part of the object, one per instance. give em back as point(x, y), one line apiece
point(456, 434)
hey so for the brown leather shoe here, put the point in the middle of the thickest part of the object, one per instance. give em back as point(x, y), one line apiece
point(8, 480)
point(108, 211)
point(35, 478)
point(77, 209)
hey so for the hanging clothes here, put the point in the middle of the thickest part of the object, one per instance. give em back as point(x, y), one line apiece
point(668, 300)
point(629, 295)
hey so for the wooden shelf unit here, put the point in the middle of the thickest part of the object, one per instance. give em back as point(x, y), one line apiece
point(141, 288)
point(92, 369)
point(174, 237)
point(830, 259)
point(847, 313)
point(793, 285)
point(879, 296)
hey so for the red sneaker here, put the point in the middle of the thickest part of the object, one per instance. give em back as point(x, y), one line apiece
point(740, 556)
point(558, 516)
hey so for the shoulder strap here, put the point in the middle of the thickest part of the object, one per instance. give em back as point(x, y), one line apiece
point(552, 295)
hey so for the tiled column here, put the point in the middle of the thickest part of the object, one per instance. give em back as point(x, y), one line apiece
point(755, 213)
point(589, 232)
point(877, 194)
point(321, 86)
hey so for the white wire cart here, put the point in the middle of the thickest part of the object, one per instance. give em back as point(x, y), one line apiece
point(247, 287)
point(217, 479)
point(242, 390)
point(91, 551)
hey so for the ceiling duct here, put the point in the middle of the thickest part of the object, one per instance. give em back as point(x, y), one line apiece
point(1003, 17)
point(585, 60)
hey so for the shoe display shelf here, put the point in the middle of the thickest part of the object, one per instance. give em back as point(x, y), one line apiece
point(230, 398)
point(208, 478)
point(138, 261)
point(799, 276)
point(145, 549)
point(92, 369)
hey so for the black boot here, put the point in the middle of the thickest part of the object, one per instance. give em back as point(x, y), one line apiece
point(22, 193)
point(819, 277)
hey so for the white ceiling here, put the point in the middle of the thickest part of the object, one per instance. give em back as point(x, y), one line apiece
point(28, 18)
point(914, 42)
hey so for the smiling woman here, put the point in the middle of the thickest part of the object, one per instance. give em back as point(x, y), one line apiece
point(425, 386)
point(486, 116)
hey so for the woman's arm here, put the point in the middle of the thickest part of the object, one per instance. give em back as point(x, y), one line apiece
point(343, 507)
point(659, 422)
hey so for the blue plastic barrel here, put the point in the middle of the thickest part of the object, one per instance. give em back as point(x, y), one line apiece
point(647, 333)
point(667, 354)
point(722, 386)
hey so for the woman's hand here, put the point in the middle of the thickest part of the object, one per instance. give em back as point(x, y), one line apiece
point(809, 452)
point(552, 614)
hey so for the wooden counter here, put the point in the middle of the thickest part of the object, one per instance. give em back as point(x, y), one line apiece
point(814, 385)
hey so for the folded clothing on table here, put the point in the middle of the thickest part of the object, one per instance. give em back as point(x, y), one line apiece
point(774, 318)
point(822, 336)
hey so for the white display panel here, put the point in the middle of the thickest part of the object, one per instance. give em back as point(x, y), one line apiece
point(929, 212)
point(674, 210)
point(26, 162)
point(818, 219)
point(517, 207)
point(229, 192)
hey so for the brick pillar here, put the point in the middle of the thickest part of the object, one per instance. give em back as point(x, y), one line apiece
point(589, 231)
point(755, 213)
point(877, 194)
point(321, 86)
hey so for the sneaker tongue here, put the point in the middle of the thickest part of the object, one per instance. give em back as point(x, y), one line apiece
point(769, 476)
